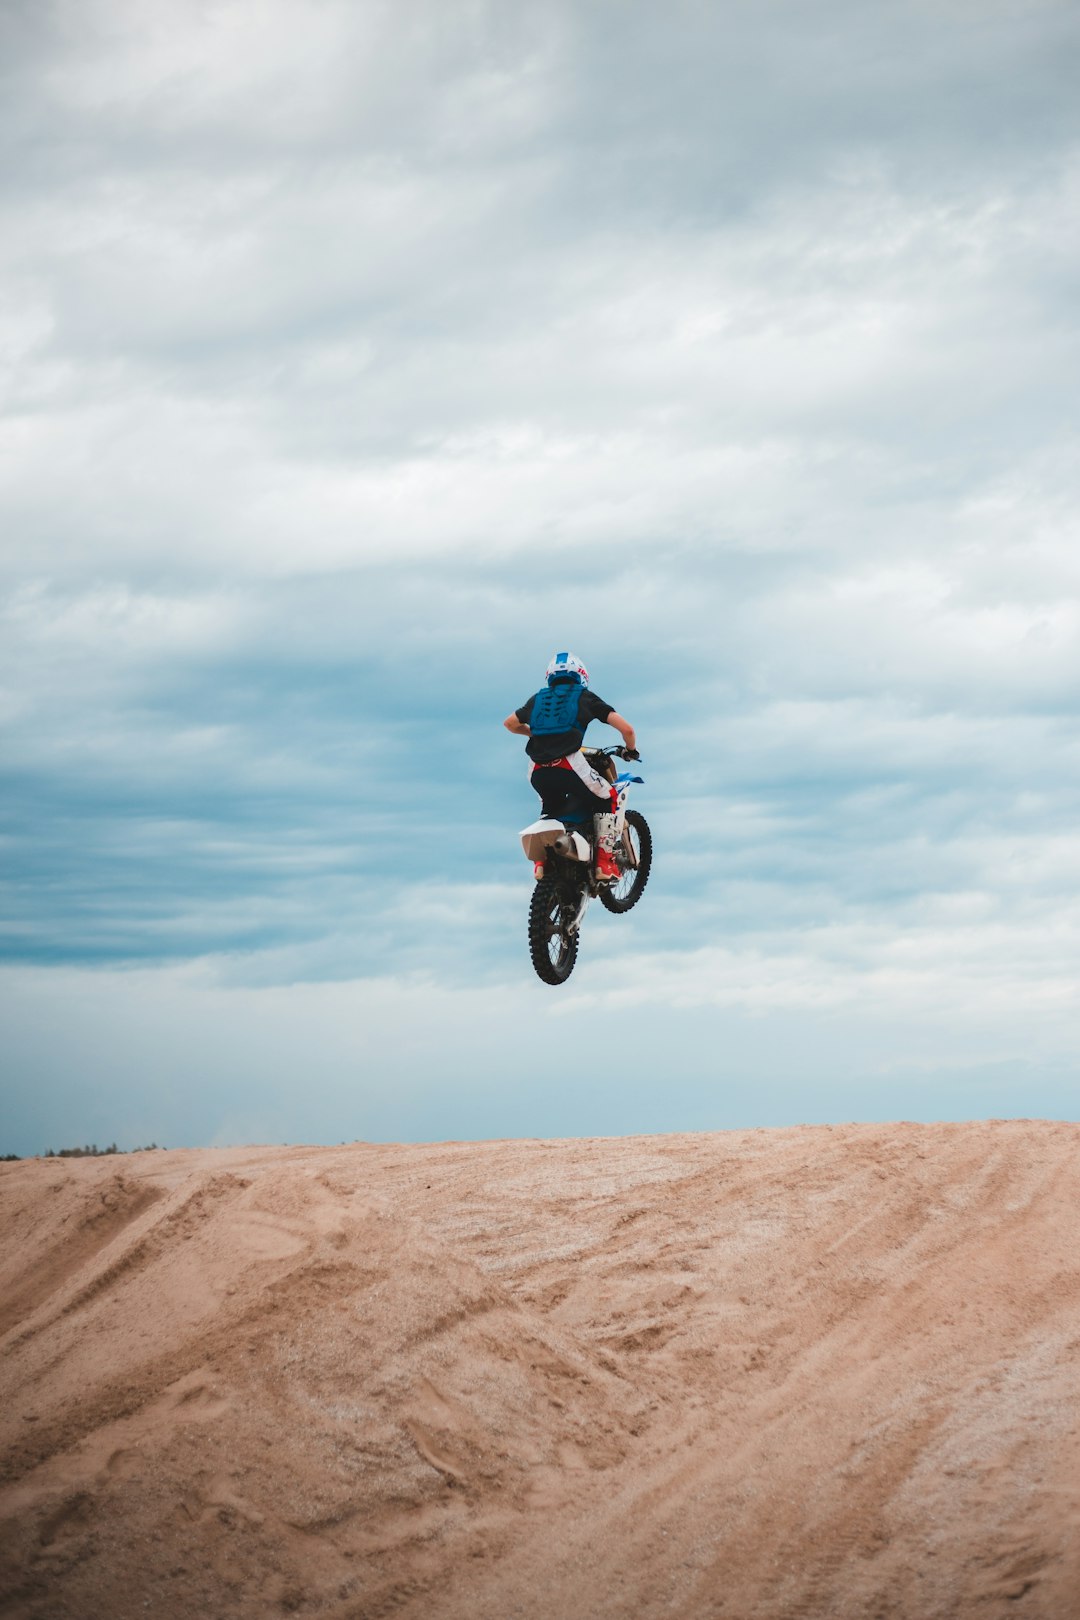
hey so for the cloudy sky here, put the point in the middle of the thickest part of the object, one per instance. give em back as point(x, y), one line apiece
point(355, 355)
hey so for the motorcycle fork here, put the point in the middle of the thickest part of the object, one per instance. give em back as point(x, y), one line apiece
point(572, 927)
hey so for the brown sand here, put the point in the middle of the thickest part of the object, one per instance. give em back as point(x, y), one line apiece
point(815, 1372)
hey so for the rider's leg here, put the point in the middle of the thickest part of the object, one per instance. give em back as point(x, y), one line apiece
point(595, 791)
point(574, 797)
point(579, 804)
point(564, 797)
point(601, 829)
point(550, 782)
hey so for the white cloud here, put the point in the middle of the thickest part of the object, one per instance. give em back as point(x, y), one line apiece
point(960, 964)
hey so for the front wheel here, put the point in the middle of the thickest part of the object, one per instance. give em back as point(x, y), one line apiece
point(620, 896)
point(552, 946)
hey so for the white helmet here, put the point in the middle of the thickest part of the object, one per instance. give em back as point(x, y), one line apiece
point(566, 666)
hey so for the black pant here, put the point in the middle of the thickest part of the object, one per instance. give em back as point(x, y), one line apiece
point(564, 797)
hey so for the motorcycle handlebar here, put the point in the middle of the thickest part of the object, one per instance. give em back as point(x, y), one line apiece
point(618, 749)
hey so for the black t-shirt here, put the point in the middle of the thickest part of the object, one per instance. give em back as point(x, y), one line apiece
point(542, 750)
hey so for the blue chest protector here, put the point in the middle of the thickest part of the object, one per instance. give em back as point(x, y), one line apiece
point(555, 709)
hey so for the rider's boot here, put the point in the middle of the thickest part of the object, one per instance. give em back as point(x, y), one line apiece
point(606, 869)
point(607, 836)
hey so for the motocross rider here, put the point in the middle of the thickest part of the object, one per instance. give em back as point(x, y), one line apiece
point(554, 720)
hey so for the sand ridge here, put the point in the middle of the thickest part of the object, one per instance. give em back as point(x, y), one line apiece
point(824, 1371)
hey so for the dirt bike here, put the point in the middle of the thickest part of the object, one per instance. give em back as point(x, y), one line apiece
point(564, 864)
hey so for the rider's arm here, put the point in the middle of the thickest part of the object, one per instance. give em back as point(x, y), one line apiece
point(629, 735)
point(518, 727)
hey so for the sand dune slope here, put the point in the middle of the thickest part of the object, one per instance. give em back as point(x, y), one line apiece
point(816, 1372)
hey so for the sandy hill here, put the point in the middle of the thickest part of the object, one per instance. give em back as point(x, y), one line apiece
point(814, 1372)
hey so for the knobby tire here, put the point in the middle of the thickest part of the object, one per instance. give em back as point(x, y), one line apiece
point(553, 950)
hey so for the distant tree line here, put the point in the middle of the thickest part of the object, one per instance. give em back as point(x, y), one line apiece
point(89, 1151)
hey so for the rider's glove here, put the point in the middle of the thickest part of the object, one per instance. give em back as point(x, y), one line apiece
point(630, 753)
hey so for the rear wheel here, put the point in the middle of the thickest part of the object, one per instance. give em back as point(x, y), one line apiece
point(620, 896)
point(552, 946)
